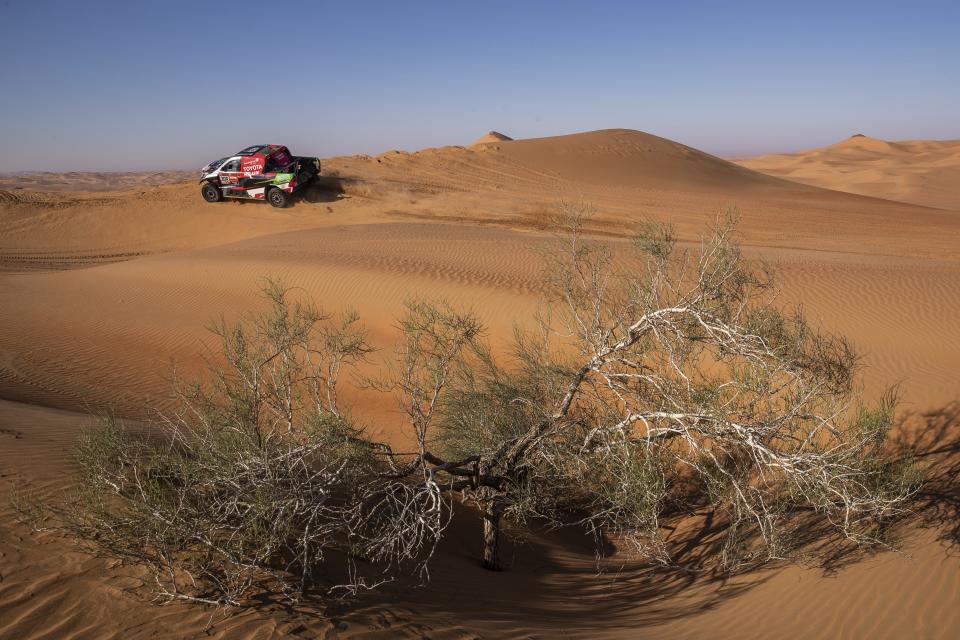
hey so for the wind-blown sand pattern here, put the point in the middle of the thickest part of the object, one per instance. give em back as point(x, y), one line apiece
point(100, 290)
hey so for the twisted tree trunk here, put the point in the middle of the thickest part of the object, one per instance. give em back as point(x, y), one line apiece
point(492, 515)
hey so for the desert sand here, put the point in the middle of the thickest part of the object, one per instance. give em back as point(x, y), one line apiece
point(102, 287)
point(924, 172)
point(89, 180)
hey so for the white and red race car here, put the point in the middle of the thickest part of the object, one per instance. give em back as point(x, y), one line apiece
point(261, 172)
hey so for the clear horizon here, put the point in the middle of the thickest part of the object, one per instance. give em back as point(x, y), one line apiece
point(109, 86)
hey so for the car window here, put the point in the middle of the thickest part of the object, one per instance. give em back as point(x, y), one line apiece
point(233, 165)
point(278, 161)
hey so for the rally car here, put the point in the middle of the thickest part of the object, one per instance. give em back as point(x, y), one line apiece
point(261, 172)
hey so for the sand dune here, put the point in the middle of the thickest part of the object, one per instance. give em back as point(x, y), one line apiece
point(629, 175)
point(632, 175)
point(100, 290)
point(924, 172)
point(491, 137)
point(632, 158)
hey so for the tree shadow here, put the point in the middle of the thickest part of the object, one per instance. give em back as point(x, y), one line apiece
point(933, 438)
point(556, 582)
point(561, 581)
point(930, 440)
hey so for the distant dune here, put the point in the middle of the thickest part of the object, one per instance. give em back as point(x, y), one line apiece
point(624, 157)
point(491, 137)
point(90, 180)
point(924, 172)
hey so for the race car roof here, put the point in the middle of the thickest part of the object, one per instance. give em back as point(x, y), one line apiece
point(249, 151)
point(265, 149)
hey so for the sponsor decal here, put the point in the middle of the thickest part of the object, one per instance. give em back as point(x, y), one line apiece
point(282, 178)
point(253, 165)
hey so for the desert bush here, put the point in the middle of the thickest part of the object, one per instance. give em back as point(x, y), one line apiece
point(663, 381)
point(246, 486)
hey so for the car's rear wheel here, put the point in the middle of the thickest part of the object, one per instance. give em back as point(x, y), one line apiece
point(211, 193)
point(278, 198)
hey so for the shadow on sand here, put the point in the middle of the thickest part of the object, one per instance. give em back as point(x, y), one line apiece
point(934, 439)
point(559, 584)
point(322, 189)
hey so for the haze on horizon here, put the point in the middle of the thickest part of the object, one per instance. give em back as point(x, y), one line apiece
point(137, 86)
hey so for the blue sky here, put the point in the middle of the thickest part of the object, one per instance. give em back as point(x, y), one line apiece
point(141, 85)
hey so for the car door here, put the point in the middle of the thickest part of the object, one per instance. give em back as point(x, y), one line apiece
point(230, 175)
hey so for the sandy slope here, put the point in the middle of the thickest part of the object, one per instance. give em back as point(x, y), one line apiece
point(925, 172)
point(107, 334)
point(88, 320)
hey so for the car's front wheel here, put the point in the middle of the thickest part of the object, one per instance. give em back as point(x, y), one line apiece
point(278, 198)
point(211, 193)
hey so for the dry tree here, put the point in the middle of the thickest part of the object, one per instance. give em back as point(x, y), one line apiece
point(656, 379)
point(248, 485)
point(672, 378)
